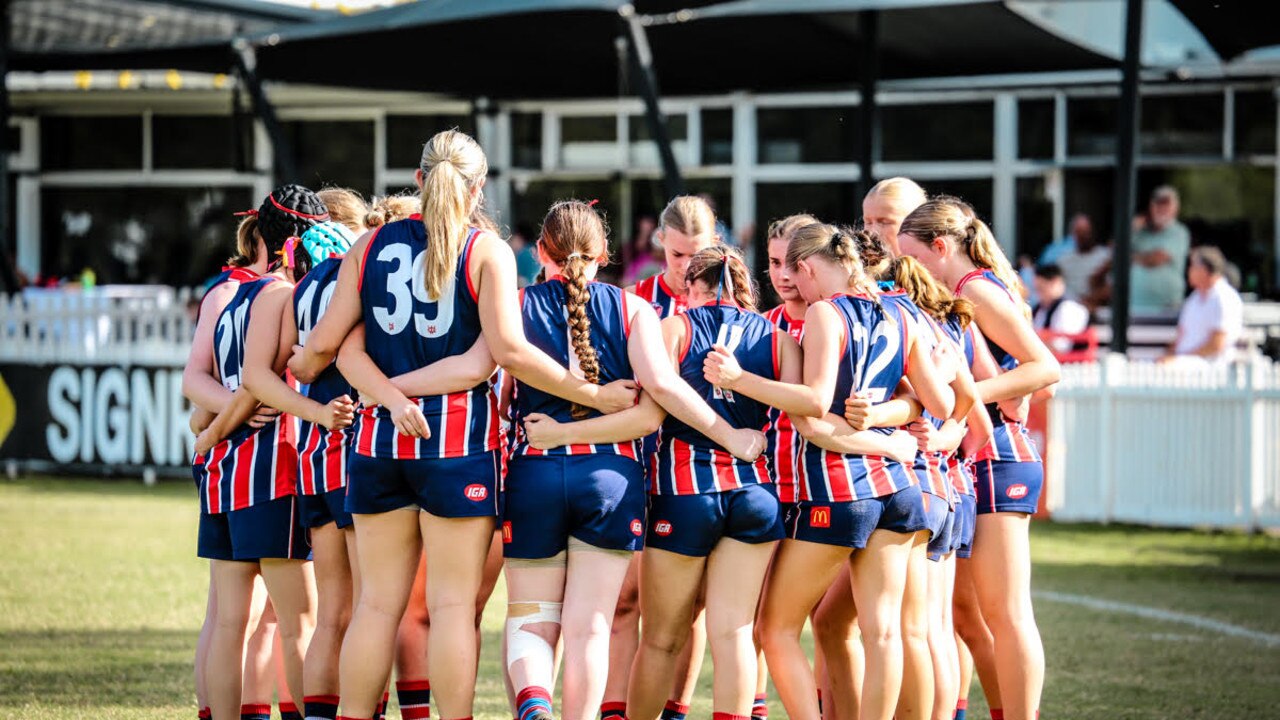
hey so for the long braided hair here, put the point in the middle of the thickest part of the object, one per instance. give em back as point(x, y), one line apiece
point(574, 236)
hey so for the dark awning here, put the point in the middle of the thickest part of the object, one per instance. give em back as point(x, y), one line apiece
point(567, 48)
point(138, 34)
point(786, 44)
point(1232, 27)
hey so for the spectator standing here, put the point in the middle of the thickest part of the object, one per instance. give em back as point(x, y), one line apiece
point(527, 264)
point(1212, 318)
point(1160, 247)
point(1056, 313)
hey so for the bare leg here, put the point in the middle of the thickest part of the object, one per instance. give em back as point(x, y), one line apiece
point(388, 546)
point(202, 643)
point(689, 662)
point(457, 548)
point(1002, 577)
point(669, 592)
point(973, 630)
point(879, 575)
point(259, 682)
point(802, 572)
point(835, 633)
point(292, 587)
point(942, 638)
point(916, 697)
point(735, 574)
point(234, 583)
point(333, 609)
point(966, 673)
point(624, 638)
point(591, 594)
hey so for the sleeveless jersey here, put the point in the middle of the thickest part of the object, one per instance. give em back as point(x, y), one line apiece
point(957, 470)
point(405, 330)
point(229, 273)
point(1010, 440)
point(664, 300)
point(689, 463)
point(322, 454)
point(545, 311)
point(872, 359)
point(784, 441)
point(931, 468)
point(252, 465)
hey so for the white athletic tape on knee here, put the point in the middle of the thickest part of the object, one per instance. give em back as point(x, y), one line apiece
point(527, 645)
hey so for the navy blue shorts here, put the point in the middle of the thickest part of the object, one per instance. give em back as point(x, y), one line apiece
point(787, 511)
point(966, 523)
point(941, 542)
point(445, 487)
point(330, 507)
point(265, 531)
point(1004, 486)
point(937, 510)
point(850, 524)
point(693, 524)
point(598, 499)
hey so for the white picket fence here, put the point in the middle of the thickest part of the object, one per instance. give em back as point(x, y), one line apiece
point(125, 325)
point(1143, 443)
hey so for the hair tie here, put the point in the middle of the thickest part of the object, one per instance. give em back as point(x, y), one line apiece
point(250, 213)
point(835, 238)
point(593, 203)
point(286, 252)
point(574, 255)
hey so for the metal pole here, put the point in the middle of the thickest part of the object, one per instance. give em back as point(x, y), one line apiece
point(868, 127)
point(8, 278)
point(246, 61)
point(641, 59)
point(1126, 177)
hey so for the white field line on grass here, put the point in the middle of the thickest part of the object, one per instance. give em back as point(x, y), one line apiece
point(1203, 623)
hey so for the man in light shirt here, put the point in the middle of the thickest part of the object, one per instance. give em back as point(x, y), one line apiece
point(1082, 261)
point(1160, 245)
point(1212, 317)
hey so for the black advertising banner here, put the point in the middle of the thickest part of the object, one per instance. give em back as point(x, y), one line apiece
point(102, 415)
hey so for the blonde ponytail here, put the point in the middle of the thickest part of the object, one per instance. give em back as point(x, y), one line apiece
point(452, 166)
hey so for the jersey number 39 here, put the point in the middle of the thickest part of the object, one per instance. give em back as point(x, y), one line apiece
point(405, 284)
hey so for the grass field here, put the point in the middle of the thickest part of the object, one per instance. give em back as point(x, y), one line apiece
point(101, 597)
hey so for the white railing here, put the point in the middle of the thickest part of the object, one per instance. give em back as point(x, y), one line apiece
point(1144, 443)
point(127, 325)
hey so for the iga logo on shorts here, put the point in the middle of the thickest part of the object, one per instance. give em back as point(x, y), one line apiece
point(476, 492)
point(820, 517)
point(637, 527)
point(662, 528)
point(1017, 492)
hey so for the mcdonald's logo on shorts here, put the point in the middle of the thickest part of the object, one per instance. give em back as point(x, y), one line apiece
point(820, 517)
point(506, 532)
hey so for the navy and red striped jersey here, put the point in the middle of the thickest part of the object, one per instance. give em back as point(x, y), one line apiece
point(873, 359)
point(784, 441)
point(689, 463)
point(322, 453)
point(961, 480)
point(663, 299)
point(252, 465)
point(1010, 441)
point(545, 311)
point(229, 273)
point(406, 330)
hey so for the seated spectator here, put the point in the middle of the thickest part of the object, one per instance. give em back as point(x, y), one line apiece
point(1081, 225)
point(1056, 314)
point(1212, 317)
point(1160, 245)
point(1082, 261)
